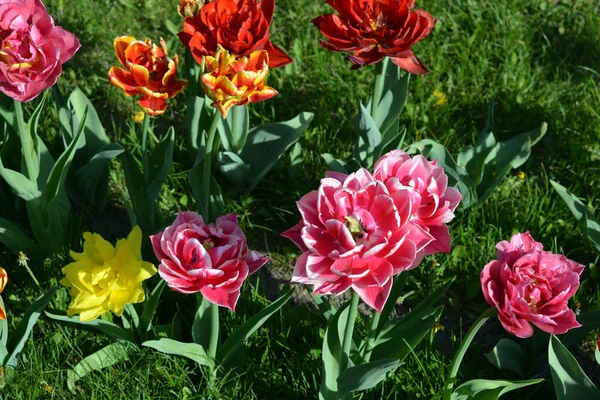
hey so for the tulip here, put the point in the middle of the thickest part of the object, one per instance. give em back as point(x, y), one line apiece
point(212, 259)
point(33, 49)
point(373, 29)
point(239, 26)
point(531, 286)
point(148, 71)
point(236, 81)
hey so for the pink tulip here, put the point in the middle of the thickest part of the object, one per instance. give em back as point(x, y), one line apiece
point(527, 284)
point(33, 49)
point(433, 201)
point(355, 234)
point(209, 258)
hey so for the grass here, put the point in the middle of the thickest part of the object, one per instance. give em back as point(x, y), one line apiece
point(539, 60)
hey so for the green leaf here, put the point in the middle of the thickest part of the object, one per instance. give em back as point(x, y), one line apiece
point(242, 334)
point(107, 356)
point(201, 328)
point(193, 351)
point(94, 133)
point(366, 127)
point(233, 167)
point(327, 309)
point(266, 143)
point(597, 354)
point(397, 287)
point(135, 183)
point(14, 238)
point(508, 355)
point(332, 353)
point(570, 382)
point(392, 104)
point(56, 180)
point(21, 333)
point(483, 389)
point(234, 129)
point(335, 165)
point(19, 183)
point(366, 376)
point(108, 328)
point(584, 216)
point(160, 164)
point(197, 119)
point(150, 306)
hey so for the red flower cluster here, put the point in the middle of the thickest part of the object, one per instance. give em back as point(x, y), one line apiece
point(373, 29)
point(239, 26)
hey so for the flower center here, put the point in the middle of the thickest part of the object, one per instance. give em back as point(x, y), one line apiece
point(377, 22)
point(355, 226)
point(208, 243)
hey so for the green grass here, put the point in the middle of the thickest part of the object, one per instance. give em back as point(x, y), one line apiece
point(539, 60)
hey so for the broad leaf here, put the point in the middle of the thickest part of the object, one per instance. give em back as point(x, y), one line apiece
point(193, 351)
point(108, 328)
point(335, 165)
point(332, 353)
point(160, 165)
point(570, 382)
point(242, 334)
point(94, 133)
point(233, 167)
point(150, 306)
point(366, 376)
point(366, 127)
point(19, 183)
point(483, 389)
point(508, 355)
point(20, 335)
point(14, 238)
point(107, 356)
point(234, 129)
point(201, 328)
point(392, 104)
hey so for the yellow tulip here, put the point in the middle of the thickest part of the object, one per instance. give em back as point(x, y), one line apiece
point(104, 278)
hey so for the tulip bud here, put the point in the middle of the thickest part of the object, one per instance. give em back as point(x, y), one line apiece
point(190, 8)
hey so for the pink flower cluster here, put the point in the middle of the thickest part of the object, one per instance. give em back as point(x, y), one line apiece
point(527, 284)
point(33, 49)
point(212, 259)
point(359, 230)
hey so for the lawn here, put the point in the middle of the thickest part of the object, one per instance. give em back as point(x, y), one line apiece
point(538, 60)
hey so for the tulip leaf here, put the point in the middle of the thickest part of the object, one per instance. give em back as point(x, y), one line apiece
point(193, 351)
point(108, 328)
point(366, 376)
point(110, 355)
point(397, 287)
point(201, 328)
point(197, 118)
point(234, 129)
point(233, 167)
point(367, 128)
point(94, 133)
point(160, 165)
point(327, 309)
point(135, 183)
point(570, 382)
point(14, 238)
point(237, 338)
point(150, 306)
point(21, 333)
point(335, 165)
point(584, 216)
point(332, 353)
point(19, 183)
point(29, 138)
point(195, 178)
point(296, 160)
point(266, 143)
point(392, 104)
point(509, 355)
point(597, 354)
point(483, 389)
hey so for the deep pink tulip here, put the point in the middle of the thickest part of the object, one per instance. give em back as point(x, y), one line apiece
point(209, 258)
point(433, 201)
point(527, 284)
point(355, 234)
point(33, 49)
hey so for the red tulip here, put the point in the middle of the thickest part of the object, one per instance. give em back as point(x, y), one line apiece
point(239, 26)
point(373, 29)
point(149, 72)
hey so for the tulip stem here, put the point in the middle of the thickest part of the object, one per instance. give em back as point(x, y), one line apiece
point(214, 339)
point(377, 90)
point(372, 334)
point(208, 155)
point(146, 164)
point(347, 343)
point(451, 380)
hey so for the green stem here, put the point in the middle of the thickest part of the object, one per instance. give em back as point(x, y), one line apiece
point(214, 339)
point(27, 144)
point(347, 343)
point(146, 162)
point(372, 335)
point(377, 90)
point(451, 380)
point(208, 155)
